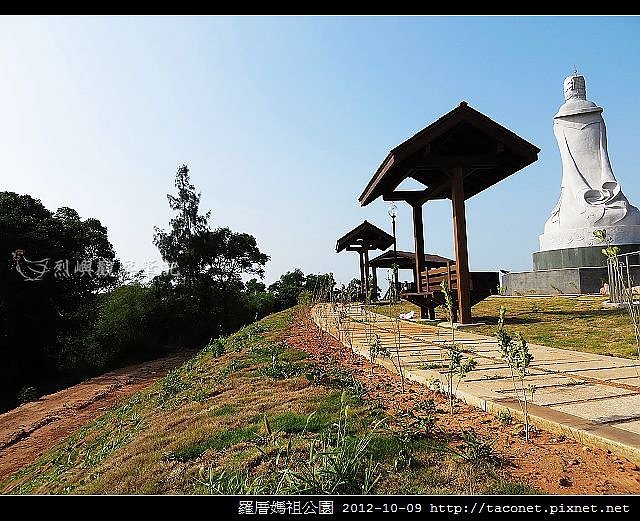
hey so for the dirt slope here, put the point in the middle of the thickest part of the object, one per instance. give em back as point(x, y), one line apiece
point(28, 431)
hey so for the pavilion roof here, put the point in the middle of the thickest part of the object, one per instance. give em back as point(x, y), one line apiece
point(364, 236)
point(463, 137)
point(407, 260)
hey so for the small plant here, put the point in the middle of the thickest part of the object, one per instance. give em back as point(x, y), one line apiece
point(216, 347)
point(172, 385)
point(428, 406)
point(338, 462)
point(504, 417)
point(515, 352)
point(476, 450)
point(458, 365)
point(336, 379)
point(376, 350)
point(27, 394)
point(230, 482)
point(280, 370)
point(398, 362)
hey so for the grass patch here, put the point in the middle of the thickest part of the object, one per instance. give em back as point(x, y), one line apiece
point(224, 410)
point(292, 422)
point(220, 441)
point(579, 324)
point(512, 489)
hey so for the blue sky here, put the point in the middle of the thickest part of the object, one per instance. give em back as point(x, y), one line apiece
point(284, 120)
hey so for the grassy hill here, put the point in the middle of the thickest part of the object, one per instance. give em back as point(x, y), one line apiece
point(251, 414)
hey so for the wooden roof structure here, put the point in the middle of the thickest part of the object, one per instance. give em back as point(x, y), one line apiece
point(406, 260)
point(362, 239)
point(456, 157)
point(364, 235)
point(463, 138)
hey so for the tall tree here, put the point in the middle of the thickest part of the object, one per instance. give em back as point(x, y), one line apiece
point(220, 255)
point(207, 290)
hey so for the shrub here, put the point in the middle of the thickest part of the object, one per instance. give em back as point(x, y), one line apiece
point(216, 347)
point(475, 449)
point(130, 322)
point(27, 394)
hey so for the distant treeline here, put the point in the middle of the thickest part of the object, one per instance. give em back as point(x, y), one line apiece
point(68, 309)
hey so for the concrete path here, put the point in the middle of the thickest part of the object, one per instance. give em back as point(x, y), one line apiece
point(592, 398)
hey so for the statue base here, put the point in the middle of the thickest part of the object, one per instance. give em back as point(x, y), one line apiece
point(568, 271)
point(585, 257)
point(564, 281)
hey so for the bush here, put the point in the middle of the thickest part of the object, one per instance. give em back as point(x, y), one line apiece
point(131, 323)
point(216, 347)
point(27, 394)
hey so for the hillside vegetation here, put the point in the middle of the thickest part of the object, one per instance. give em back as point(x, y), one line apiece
point(251, 414)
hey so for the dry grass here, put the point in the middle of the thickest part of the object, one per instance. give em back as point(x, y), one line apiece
point(208, 417)
point(577, 323)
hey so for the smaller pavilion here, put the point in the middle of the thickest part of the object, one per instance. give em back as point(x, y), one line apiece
point(363, 239)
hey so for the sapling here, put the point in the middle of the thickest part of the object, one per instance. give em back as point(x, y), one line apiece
point(376, 350)
point(612, 252)
point(399, 365)
point(515, 351)
point(458, 364)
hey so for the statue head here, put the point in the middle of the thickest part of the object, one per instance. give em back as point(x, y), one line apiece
point(575, 87)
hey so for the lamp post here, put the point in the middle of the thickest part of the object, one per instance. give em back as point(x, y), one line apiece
point(393, 212)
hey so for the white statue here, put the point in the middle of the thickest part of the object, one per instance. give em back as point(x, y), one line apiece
point(590, 197)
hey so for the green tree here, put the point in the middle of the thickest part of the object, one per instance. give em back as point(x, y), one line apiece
point(207, 291)
point(44, 322)
point(287, 288)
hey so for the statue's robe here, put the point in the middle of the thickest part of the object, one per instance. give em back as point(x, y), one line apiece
point(591, 196)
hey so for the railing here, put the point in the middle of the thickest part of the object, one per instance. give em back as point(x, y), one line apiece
point(620, 278)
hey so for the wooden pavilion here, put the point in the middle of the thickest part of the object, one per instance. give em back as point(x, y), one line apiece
point(363, 239)
point(456, 157)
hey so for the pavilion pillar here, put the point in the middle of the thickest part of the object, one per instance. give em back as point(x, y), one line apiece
point(374, 281)
point(460, 241)
point(362, 288)
point(367, 285)
point(418, 238)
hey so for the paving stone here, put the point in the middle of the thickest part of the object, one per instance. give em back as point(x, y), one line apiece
point(608, 410)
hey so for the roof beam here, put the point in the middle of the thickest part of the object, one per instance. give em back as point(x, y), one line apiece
point(480, 160)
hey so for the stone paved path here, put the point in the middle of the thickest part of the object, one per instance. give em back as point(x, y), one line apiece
point(592, 398)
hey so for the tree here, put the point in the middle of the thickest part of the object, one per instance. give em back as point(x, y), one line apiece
point(44, 321)
point(208, 288)
point(199, 253)
point(287, 288)
point(254, 287)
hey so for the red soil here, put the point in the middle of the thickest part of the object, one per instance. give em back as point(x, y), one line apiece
point(28, 431)
point(551, 463)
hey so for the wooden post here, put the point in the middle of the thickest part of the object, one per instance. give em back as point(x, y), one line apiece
point(362, 288)
point(418, 239)
point(415, 280)
point(374, 277)
point(460, 241)
point(367, 286)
